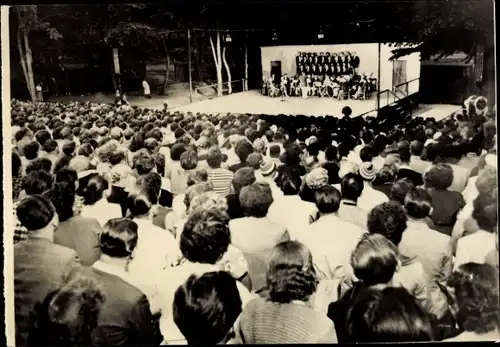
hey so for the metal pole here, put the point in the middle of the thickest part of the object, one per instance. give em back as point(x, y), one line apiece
point(245, 85)
point(189, 66)
point(378, 79)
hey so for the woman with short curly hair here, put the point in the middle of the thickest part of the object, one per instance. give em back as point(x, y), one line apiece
point(475, 290)
point(288, 315)
point(445, 203)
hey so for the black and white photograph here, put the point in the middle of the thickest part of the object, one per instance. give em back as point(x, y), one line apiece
point(250, 172)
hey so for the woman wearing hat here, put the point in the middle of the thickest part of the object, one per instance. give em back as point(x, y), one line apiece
point(370, 196)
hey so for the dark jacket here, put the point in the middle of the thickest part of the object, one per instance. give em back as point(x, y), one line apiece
point(125, 318)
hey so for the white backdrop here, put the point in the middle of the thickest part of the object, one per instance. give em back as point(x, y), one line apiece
point(367, 53)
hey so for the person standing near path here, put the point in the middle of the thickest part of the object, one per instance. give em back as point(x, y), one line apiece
point(146, 89)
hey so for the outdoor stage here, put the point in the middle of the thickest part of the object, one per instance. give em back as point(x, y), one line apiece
point(254, 102)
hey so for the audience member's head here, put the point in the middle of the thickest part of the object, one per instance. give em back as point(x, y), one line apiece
point(388, 219)
point(418, 203)
point(95, 189)
point(351, 186)
point(399, 190)
point(475, 291)
point(255, 199)
point(290, 273)
point(243, 177)
point(205, 237)
point(438, 176)
point(37, 182)
point(37, 214)
point(327, 200)
point(206, 308)
point(390, 315)
point(118, 238)
point(289, 181)
point(374, 260)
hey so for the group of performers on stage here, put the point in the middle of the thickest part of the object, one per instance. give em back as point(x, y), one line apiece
point(324, 74)
point(341, 87)
point(336, 64)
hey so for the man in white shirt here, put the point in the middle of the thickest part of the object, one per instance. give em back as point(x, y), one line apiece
point(290, 210)
point(146, 89)
point(330, 239)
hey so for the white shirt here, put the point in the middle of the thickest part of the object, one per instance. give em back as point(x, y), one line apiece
point(370, 198)
point(145, 86)
point(331, 242)
point(168, 282)
point(102, 210)
point(474, 248)
point(293, 213)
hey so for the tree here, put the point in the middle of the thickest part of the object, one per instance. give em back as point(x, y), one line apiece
point(27, 22)
point(228, 71)
point(216, 51)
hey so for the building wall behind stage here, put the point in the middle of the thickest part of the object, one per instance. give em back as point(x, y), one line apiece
point(367, 53)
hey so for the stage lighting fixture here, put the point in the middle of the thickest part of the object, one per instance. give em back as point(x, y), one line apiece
point(228, 38)
point(275, 36)
point(321, 35)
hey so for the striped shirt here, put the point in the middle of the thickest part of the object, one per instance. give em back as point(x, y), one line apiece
point(221, 180)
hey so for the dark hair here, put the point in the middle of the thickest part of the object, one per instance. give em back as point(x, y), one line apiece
point(144, 164)
point(243, 149)
point(352, 186)
point(69, 315)
point(366, 154)
point(390, 315)
point(189, 160)
point(31, 150)
point(346, 111)
point(331, 153)
point(416, 148)
point(94, 189)
point(399, 189)
point(35, 212)
point(327, 199)
point(290, 273)
point(40, 164)
point(16, 164)
point(116, 157)
point(388, 219)
point(243, 177)
point(256, 199)
point(476, 295)
point(439, 176)
point(136, 143)
point(374, 260)
point(205, 237)
point(69, 148)
point(386, 175)
point(418, 203)
point(61, 163)
point(289, 181)
point(485, 210)
point(404, 154)
point(42, 136)
point(62, 196)
point(37, 182)
point(140, 200)
point(118, 238)
point(274, 151)
point(206, 307)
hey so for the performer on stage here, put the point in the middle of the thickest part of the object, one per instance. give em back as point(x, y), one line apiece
point(283, 87)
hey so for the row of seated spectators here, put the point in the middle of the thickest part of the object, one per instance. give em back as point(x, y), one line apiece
point(134, 226)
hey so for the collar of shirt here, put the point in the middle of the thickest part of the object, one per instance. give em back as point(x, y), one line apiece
point(115, 271)
point(348, 202)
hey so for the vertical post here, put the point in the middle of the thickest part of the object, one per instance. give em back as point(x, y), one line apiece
point(246, 67)
point(189, 66)
point(378, 79)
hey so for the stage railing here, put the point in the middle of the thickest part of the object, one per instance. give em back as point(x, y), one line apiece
point(407, 88)
point(236, 87)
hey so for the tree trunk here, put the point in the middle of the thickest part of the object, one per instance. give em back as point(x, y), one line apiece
point(217, 58)
point(25, 61)
point(228, 71)
point(29, 62)
point(246, 67)
point(167, 70)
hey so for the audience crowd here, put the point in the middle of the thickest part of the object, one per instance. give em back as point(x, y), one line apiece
point(137, 226)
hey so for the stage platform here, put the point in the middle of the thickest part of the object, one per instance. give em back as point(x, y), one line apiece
point(255, 103)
